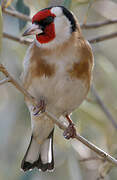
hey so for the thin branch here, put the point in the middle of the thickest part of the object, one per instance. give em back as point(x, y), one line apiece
point(98, 25)
point(29, 41)
point(6, 80)
point(16, 14)
point(104, 169)
point(62, 126)
point(17, 39)
point(103, 107)
point(83, 26)
point(12, 7)
point(87, 11)
point(103, 37)
point(90, 159)
point(88, 26)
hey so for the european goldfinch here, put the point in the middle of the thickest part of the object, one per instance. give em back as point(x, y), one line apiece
point(57, 72)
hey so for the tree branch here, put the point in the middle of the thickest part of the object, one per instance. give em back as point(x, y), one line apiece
point(83, 26)
point(16, 14)
point(103, 37)
point(18, 39)
point(6, 80)
point(87, 26)
point(62, 126)
point(98, 25)
point(29, 41)
point(90, 159)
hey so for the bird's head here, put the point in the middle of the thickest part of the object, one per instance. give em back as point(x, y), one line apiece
point(52, 26)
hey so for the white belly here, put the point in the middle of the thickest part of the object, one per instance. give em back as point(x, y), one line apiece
point(63, 95)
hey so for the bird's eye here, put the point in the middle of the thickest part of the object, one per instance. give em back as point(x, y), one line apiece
point(45, 22)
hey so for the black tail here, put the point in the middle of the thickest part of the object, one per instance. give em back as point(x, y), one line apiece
point(39, 155)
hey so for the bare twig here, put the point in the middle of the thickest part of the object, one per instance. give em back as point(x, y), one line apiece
point(104, 169)
point(29, 41)
point(103, 107)
point(90, 3)
point(98, 25)
point(16, 14)
point(103, 37)
point(88, 26)
point(62, 126)
point(17, 39)
point(6, 80)
point(90, 159)
point(83, 26)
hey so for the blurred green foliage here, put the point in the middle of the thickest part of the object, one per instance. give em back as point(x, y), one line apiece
point(22, 8)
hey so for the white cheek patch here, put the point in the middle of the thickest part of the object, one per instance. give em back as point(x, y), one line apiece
point(57, 11)
point(62, 28)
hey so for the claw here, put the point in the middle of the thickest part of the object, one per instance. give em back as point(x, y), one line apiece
point(70, 132)
point(40, 108)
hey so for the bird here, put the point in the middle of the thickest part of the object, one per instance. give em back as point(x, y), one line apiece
point(58, 68)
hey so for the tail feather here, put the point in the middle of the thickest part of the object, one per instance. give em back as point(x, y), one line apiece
point(40, 156)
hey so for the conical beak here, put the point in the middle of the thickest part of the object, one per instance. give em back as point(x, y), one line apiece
point(33, 30)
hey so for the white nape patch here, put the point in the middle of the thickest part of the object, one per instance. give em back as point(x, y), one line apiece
point(62, 31)
point(57, 11)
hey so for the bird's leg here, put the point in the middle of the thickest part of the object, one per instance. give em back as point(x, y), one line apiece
point(70, 132)
point(40, 108)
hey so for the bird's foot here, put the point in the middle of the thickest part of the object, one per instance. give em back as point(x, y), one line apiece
point(40, 108)
point(70, 131)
